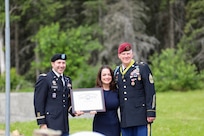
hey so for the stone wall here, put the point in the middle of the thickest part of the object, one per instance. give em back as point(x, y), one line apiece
point(21, 107)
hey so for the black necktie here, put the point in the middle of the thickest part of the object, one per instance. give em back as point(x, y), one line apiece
point(61, 79)
point(124, 69)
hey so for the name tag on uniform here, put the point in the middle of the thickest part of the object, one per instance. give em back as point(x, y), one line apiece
point(54, 95)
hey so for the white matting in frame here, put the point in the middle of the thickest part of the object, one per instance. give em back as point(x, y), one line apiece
point(87, 99)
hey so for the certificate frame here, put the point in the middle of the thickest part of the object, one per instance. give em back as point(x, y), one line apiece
point(87, 99)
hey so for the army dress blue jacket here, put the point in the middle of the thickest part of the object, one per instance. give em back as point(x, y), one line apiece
point(136, 95)
point(52, 101)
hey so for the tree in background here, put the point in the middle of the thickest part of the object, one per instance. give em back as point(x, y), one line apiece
point(173, 71)
point(150, 25)
point(167, 20)
point(77, 44)
point(193, 38)
point(124, 22)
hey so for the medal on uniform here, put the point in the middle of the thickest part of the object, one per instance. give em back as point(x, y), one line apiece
point(54, 82)
point(137, 69)
point(122, 76)
point(132, 83)
point(123, 72)
point(116, 78)
point(139, 77)
point(69, 85)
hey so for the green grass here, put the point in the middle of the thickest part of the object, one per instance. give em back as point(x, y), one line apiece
point(178, 114)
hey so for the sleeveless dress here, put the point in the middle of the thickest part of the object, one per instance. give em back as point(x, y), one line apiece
point(107, 123)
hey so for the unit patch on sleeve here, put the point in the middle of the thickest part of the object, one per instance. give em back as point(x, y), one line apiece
point(151, 79)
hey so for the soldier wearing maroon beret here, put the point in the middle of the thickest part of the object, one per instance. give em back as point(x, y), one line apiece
point(136, 94)
point(52, 100)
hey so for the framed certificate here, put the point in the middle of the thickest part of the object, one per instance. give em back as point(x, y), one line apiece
point(87, 99)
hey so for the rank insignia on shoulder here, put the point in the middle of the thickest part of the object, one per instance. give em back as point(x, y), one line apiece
point(142, 63)
point(151, 79)
point(43, 74)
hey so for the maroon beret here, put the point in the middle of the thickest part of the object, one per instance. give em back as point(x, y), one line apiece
point(124, 47)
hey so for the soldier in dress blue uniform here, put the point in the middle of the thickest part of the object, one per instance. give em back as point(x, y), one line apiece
point(136, 94)
point(52, 101)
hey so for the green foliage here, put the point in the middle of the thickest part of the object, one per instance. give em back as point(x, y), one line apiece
point(16, 9)
point(191, 42)
point(2, 13)
point(173, 72)
point(77, 44)
point(194, 17)
point(17, 82)
point(195, 10)
point(86, 78)
point(92, 11)
point(43, 13)
point(192, 39)
point(2, 83)
point(164, 4)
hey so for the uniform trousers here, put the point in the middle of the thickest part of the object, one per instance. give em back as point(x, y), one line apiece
point(65, 134)
point(136, 131)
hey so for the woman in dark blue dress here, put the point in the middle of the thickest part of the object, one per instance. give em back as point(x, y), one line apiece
point(107, 122)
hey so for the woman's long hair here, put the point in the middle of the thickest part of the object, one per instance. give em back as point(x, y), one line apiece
point(98, 79)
